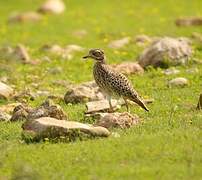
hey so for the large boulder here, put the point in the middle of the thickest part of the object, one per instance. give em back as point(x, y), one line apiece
point(166, 51)
point(47, 127)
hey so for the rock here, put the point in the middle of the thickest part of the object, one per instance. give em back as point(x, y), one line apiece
point(20, 112)
point(4, 79)
point(166, 51)
point(47, 127)
point(80, 33)
point(88, 91)
point(117, 44)
point(24, 96)
point(178, 82)
point(54, 49)
point(142, 40)
point(4, 116)
point(101, 106)
point(189, 21)
point(18, 53)
point(118, 120)
point(52, 6)
point(199, 105)
point(42, 93)
point(73, 48)
point(46, 109)
point(171, 71)
point(25, 17)
point(5, 91)
point(129, 68)
point(8, 108)
point(62, 52)
point(21, 53)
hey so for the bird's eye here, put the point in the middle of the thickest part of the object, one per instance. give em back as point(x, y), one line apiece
point(96, 53)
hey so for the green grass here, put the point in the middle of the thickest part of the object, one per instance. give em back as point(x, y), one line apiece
point(167, 145)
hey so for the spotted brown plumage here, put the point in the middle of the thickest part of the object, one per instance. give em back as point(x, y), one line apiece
point(111, 82)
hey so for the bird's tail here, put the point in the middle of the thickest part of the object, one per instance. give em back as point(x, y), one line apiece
point(140, 102)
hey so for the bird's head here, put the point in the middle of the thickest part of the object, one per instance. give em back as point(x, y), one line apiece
point(96, 54)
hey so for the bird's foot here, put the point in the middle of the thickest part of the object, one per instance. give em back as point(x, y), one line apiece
point(111, 110)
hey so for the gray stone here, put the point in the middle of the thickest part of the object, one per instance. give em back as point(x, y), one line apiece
point(102, 106)
point(5, 91)
point(66, 52)
point(142, 40)
point(8, 108)
point(30, 16)
point(47, 127)
point(166, 51)
point(71, 48)
point(4, 116)
point(24, 96)
point(20, 113)
point(120, 43)
point(84, 92)
point(117, 120)
point(189, 21)
point(128, 68)
point(46, 109)
point(178, 82)
point(52, 6)
point(18, 53)
point(171, 71)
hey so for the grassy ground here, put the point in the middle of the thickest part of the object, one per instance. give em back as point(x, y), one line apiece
point(167, 145)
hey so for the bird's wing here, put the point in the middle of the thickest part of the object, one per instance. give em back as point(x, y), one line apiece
point(119, 83)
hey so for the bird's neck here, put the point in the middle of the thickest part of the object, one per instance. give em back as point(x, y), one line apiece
point(101, 61)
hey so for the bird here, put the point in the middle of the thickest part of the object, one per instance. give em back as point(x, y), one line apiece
point(111, 82)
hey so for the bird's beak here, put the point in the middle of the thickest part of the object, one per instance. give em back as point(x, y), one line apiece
point(85, 57)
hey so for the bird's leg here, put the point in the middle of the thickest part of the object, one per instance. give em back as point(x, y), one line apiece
point(110, 104)
point(126, 103)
